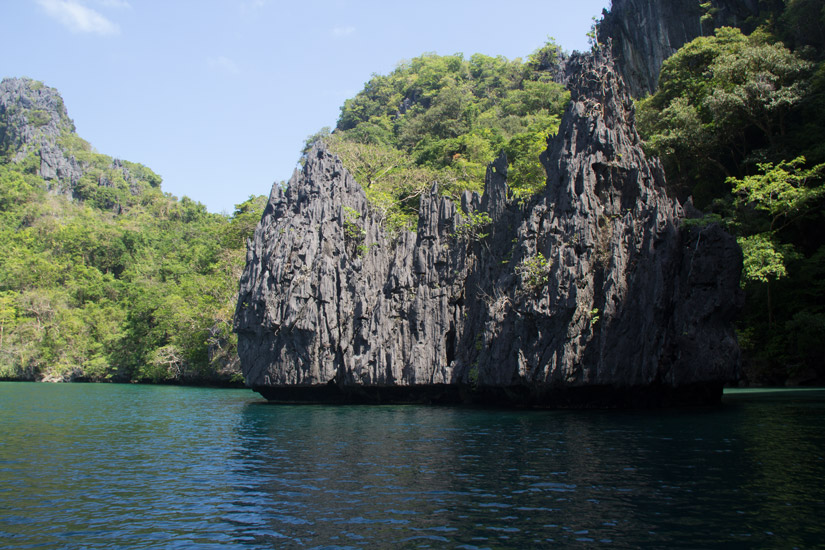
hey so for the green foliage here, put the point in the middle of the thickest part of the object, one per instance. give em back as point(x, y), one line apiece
point(756, 86)
point(764, 260)
point(771, 202)
point(37, 117)
point(702, 222)
point(542, 63)
point(595, 316)
point(785, 192)
point(140, 293)
point(354, 234)
point(730, 112)
point(526, 177)
point(534, 272)
point(472, 376)
point(723, 101)
point(708, 12)
point(444, 118)
point(473, 227)
point(803, 24)
point(391, 180)
point(243, 222)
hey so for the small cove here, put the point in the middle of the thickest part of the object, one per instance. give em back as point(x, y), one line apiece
point(101, 466)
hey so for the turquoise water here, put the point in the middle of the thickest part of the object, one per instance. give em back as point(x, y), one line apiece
point(111, 466)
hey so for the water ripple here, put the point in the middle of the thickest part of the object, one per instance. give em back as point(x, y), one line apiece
point(132, 466)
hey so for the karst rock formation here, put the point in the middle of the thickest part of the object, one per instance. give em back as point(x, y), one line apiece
point(597, 293)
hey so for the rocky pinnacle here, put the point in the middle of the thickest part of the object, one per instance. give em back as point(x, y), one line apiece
point(596, 293)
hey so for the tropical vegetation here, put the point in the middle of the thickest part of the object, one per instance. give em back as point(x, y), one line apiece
point(739, 123)
point(444, 118)
point(114, 279)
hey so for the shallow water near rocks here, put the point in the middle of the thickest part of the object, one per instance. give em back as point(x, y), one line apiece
point(114, 466)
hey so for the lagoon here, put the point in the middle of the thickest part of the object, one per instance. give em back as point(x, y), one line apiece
point(133, 466)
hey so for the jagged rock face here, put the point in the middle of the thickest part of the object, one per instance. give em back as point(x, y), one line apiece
point(33, 119)
point(644, 33)
point(616, 300)
point(327, 296)
point(589, 295)
point(31, 113)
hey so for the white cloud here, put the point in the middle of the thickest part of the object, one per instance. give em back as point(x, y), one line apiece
point(223, 63)
point(78, 18)
point(340, 32)
point(114, 3)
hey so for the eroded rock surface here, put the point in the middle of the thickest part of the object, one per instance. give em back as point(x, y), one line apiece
point(591, 295)
point(34, 121)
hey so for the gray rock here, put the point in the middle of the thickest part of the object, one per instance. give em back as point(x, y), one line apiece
point(591, 295)
point(32, 112)
point(34, 120)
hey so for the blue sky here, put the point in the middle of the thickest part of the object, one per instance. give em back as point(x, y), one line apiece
point(218, 96)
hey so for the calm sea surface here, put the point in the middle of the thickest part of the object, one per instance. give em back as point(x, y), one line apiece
point(114, 466)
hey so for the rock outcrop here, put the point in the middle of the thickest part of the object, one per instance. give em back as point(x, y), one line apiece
point(591, 295)
point(34, 121)
point(644, 33)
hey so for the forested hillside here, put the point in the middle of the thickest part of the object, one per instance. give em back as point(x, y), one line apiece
point(444, 118)
point(739, 123)
point(103, 276)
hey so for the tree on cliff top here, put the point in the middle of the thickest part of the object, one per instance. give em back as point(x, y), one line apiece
point(444, 118)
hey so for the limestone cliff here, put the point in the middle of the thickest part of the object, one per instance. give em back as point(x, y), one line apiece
point(34, 121)
point(591, 295)
point(644, 33)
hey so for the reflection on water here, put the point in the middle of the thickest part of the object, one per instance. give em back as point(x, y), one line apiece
point(102, 466)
